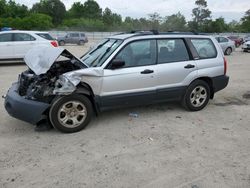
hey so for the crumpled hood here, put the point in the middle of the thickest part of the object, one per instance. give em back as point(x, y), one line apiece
point(40, 59)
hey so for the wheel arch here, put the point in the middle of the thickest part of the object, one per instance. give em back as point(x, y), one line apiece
point(85, 89)
point(210, 84)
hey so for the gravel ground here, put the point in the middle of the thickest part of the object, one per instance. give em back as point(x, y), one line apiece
point(165, 146)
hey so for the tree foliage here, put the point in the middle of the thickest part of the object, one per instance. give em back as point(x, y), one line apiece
point(201, 16)
point(246, 22)
point(48, 14)
point(175, 22)
point(12, 9)
point(54, 8)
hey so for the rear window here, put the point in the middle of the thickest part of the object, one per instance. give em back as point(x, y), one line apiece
point(45, 36)
point(205, 48)
point(82, 35)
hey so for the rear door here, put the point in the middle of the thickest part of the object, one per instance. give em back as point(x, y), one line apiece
point(23, 42)
point(6, 46)
point(174, 70)
point(134, 83)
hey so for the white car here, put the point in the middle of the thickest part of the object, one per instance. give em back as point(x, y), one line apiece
point(246, 46)
point(15, 44)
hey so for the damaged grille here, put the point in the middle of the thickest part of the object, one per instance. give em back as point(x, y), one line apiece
point(40, 87)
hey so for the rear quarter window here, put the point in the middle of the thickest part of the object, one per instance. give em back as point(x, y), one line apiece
point(45, 36)
point(205, 48)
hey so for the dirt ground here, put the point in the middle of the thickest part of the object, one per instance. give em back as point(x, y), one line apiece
point(165, 146)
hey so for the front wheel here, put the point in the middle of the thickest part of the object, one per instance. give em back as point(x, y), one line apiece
point(228, 51)
point(71, 113)
point(197, 96)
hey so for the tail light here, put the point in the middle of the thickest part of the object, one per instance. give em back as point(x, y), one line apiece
point(225, 66)
point(54, 43)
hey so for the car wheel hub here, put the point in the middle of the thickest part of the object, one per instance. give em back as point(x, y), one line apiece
point(72, 114)
point(198, 96)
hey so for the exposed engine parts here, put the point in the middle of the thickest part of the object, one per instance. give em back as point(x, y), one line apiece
point(40, 87)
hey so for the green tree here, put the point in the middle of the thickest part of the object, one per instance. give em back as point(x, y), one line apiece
point(2, 8)
point(175, 22)
point(245, 26)
point(155, 20)
point(92, 10)
point(12, 9)
point(219, 25)
point(201, 16)
point(76, 10)
point(54, 8)
point(111, 19)
point(234, 26)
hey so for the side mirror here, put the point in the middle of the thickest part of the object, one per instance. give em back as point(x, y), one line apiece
point(117, 63)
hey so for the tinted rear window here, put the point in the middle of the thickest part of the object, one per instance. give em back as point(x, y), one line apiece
point(45, 36)
point(205, 48)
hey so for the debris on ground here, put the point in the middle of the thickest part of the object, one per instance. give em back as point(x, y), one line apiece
point(246, 95)
point(134, 115)
point(151, 139)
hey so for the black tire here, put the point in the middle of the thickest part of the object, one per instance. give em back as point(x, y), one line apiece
point(245, 50)
point(228, 51)
point(61, 43)
point(57, 113)
point(189, 96)
point(81, 42)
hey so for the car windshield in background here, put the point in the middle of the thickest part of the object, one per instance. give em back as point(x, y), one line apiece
point(101, 52)
point(45, 36)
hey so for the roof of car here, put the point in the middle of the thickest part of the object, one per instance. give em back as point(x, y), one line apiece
point(23, 31)
point(124, 36)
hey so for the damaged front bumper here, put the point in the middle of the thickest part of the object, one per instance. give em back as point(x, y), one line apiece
point(24, 109)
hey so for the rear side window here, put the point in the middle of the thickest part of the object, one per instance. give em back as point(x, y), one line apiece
point(172, 50)
point(82, 35)
point(45, 36)
point(74, 34)
point(205, 48)
point(7, 37)
point(23, 37)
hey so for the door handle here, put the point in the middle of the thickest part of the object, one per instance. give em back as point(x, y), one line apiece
point(147, 71)
point(189, 66)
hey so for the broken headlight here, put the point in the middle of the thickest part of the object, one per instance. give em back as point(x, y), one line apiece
point(63, 86)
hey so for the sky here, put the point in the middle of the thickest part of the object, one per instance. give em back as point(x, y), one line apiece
point(229, 9)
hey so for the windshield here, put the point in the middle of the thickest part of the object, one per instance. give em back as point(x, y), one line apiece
point(101, 52)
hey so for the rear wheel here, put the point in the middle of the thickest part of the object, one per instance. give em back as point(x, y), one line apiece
point(81, 42)
point(71, 113)
point(61, 43)
point(197, 96)
point(228, 51)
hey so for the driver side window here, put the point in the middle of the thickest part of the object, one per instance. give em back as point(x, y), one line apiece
point(138, 53)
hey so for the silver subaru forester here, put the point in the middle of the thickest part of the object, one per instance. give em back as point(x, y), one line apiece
point(124, 70)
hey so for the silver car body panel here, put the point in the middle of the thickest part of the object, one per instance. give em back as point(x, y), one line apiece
point(106, 82)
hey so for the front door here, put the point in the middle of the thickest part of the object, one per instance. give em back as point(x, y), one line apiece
point(134, 83)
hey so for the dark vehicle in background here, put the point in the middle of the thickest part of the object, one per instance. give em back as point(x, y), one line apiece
point(73, 38)
point(237, 40)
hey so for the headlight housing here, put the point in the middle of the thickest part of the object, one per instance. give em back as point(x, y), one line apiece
point(63, 86)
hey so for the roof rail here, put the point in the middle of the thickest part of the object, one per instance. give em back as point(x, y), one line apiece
point(156, 32)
